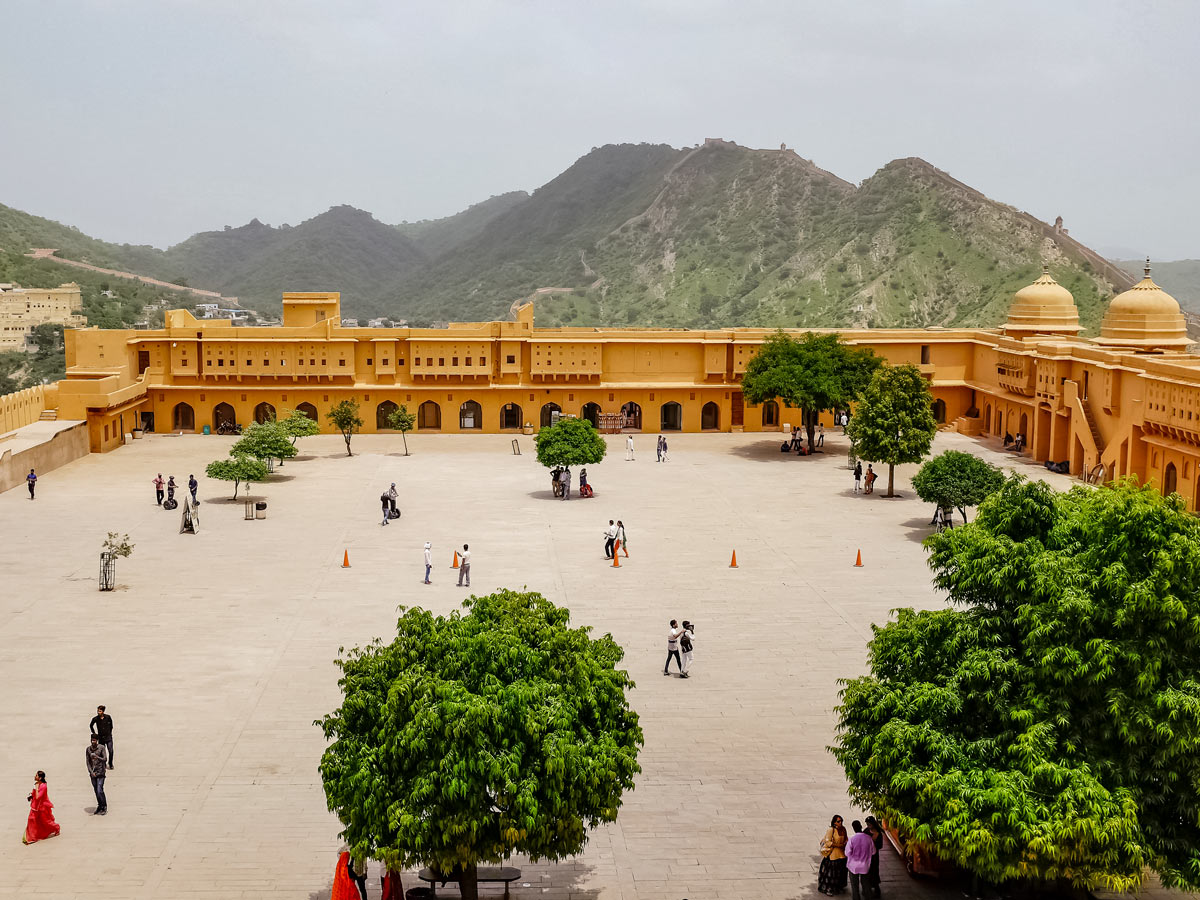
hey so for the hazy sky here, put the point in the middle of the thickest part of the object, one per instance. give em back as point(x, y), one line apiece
point(147, 120)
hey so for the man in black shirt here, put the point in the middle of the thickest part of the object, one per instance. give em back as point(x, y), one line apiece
point(102, 725)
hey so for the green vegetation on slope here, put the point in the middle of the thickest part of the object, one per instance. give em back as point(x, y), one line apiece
point(435, 237)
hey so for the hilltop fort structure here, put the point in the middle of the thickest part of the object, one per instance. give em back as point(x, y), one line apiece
point(23, 309)
point(1124, 403)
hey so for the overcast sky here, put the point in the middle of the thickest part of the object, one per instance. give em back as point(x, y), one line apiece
point(148, 120)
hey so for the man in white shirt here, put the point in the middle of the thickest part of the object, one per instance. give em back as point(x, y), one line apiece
point(629, 447)
point(673, 648)
point(610, 537)
point(464, 566)
point(428, 561)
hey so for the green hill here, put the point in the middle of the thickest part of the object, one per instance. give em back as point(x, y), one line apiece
point(437, 236)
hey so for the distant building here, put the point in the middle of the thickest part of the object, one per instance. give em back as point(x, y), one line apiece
point(23, 309)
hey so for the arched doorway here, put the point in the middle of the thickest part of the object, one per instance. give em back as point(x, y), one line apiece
point(183, 418)
point(429, 416)
point(510, 416)
point(939, 411)
point(591, 412)
point(1169, 480)
point(987, 419)
point(308, 409)
point(548, 412)
point(710, 417)
point(383, 412)
point(223, 414)
point(631, 416)
point(999, 422)
point(470, 416)
point(264, 412)
point(770, 414)
point(1024, 430)
point(671, 417)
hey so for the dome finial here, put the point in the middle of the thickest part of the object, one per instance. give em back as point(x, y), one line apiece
point(1147, 269)
point(1045, 268)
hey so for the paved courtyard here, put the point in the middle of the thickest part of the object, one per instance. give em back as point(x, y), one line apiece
point(214, 655)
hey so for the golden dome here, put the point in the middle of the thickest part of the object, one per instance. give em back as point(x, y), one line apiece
point(1044, 307)
point(1145, 317)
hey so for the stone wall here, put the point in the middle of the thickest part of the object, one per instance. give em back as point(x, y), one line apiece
point(22, 408)
point(66, 445)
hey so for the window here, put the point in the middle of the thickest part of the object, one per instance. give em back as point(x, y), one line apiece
point(301, 361)
point(249, 362)
point(342, 362)
point(400, 362)
point(429, 360)
point(312, 362)
point(220, 362)
point(370, 361)
point(416, 362)
point(924, 354)
point(385, 362)
point(441, 361)
point(483, 360)
point(454, 360)
point(468, 361)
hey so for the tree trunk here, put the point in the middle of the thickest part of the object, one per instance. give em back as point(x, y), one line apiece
point(346, 437)
point(404, 437)
point(235, 488)
point(810, 426)
point(891, 480)
point(468, 885)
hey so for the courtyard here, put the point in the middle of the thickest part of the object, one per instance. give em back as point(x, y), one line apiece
point(214, 655)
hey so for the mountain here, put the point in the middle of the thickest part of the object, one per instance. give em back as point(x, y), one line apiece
point(437, 236)
point(1181, 277)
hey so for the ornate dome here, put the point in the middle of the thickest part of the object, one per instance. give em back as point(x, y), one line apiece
point(1145, 317)
point(1044, 307)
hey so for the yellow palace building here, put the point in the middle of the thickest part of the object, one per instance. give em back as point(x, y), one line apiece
point(1127, 401)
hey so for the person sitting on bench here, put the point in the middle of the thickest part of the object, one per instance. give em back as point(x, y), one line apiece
point(1019, 443)
point(1008, 440)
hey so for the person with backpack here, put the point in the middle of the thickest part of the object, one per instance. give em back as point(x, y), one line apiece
point(857, 477)
point(685, 644)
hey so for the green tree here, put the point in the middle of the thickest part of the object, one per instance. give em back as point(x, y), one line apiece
point(472, 737)
point(345, 418)
point(571, 442)
point(1048, 727)
point(264, 440)
point(297, 425)
point(815, 373)
point(957, 479)
point(237, 469)
point(403, 421)
point(894, 422)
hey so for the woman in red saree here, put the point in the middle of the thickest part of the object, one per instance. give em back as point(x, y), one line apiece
point(41, 822)
point(343, 887)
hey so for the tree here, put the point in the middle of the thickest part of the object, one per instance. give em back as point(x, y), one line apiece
point(815, 373)
point(571, 442)
point(403, 421)
point(957, 479)
point(472, 737)
point(264, 440)
point(345, 418)
point(297, 425)
point(237, 469)
point(1048, 727)
point(894, 422)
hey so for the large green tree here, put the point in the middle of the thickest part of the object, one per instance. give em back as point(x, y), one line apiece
point(571, 442)
point(814, 373)
point(297, 425)
point(894, 423)
point(264, 440)
point(474, 736)
point(1048, 727)
point(957, 479)
point(237, 469)
point(346, 419)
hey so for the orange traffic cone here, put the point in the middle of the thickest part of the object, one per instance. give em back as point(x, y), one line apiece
point(346, 560)
point(733, 562)
point(616, 553)
point(455, 566)
point(858, 562)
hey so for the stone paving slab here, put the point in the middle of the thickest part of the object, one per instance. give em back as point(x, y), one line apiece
point(214, 655)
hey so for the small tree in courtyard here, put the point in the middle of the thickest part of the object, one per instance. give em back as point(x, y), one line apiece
point(571, 442)
point(815, 373)
point(297, 425)
point(957, 479)
point(1047, 728)
point(237, 469)
point(403, 421)
point(264, 440)
point(474, 736)
point(345, 418)
point(894, 423)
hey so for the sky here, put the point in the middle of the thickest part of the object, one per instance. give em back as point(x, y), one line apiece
point(144, 121)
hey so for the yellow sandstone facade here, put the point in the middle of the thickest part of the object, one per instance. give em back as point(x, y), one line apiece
point(1127, 401)
point(22, 309)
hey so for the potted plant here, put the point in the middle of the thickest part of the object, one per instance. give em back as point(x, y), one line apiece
point(114, 545)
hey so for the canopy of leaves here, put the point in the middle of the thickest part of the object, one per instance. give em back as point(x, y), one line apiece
point(297, 425)
point(894, 422)
point(572, 442)
point(265, 440)
point(814, 373)
point(237, 469)
point(346, 419)
point(477, 735)
point(1049, 727)
point(401, 419)
point(957, 479)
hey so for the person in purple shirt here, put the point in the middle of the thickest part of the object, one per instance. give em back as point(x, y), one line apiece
point(859, 851)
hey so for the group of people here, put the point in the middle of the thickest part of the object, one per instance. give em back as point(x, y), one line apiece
point(169, 484)
point(855, 856)
point(615, 539)
point(388, 500)
point(679, 647)
point(796, 442)
point(1014, 443)
point(98, 757)
point(560, 482)
point(860, 478)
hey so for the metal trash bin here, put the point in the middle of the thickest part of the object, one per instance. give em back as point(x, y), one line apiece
point(249, 509)
point(260, 509)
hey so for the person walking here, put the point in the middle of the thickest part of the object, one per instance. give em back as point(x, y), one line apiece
point(845, 421)
point(428, 561)
point(158, 488)
point(673, 648)
point(685, 645)
point(869, 480)
point(387, 501)
point(875, 830)
point(564, 480)
point(857, 477)
point(622, 540)
point(859, 852)
point(96, 760)
point(831, 879)
point(820, 435)
point(193, 486)
point(464, 566)
point(629, 448)
point(664, 445)
point(41, 824)
point(31, 480)
point(610, 537)
point(102, 727)
point(658, 449)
